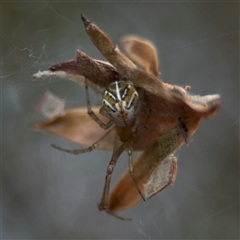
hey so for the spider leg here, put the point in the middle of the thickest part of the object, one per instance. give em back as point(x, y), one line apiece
point(92, 114)
point(131, 172)
point(83, 150)
point(76, 151)
point(104, 205)
point(130, 161)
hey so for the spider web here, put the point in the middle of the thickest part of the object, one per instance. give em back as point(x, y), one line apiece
point(48, 194)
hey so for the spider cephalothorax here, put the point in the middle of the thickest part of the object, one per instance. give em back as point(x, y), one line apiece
point(120, 103)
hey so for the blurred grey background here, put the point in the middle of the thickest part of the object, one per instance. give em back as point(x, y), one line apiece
point(47, 194)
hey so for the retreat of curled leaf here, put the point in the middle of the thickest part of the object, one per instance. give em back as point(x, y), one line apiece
point(162, 116)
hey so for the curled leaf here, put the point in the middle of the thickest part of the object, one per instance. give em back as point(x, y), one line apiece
point(167, 116)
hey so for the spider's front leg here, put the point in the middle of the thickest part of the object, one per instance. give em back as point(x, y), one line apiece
point(92, 114)
point(95, 118)
point(131, 172)
point(104, 205)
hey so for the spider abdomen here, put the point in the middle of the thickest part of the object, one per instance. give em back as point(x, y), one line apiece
point(120, 102)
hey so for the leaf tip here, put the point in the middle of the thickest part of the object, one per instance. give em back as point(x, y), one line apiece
point(85, 21)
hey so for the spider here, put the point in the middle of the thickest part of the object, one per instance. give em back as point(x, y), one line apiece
point(144, 114)
point(120, 104)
